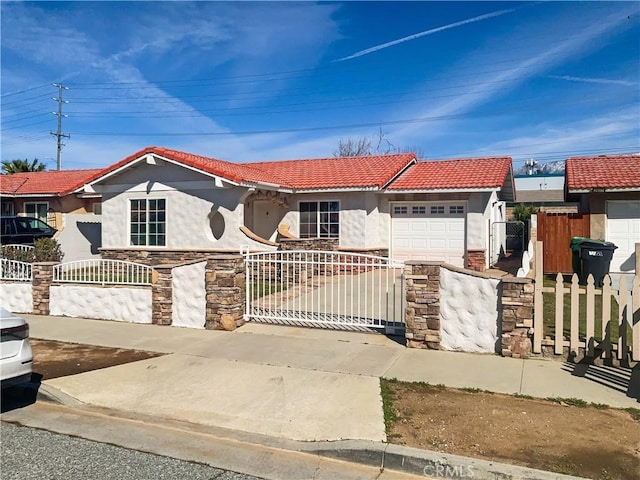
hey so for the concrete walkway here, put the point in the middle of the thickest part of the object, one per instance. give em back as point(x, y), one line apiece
point(300, 383)
point(297, 389)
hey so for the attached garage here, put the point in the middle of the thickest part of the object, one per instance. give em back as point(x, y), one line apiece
point(623, 229)
point(428, 231)
point(608, 188)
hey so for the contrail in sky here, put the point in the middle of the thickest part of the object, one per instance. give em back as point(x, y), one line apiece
point(592, 80)
point(427, 32)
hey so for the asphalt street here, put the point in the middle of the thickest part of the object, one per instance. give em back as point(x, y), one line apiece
point(30, 453)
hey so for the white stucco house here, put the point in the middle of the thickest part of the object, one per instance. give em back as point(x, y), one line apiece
point(161, 203)
point(607, 187)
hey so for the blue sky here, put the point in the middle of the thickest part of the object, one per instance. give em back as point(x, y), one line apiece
point(277, 80)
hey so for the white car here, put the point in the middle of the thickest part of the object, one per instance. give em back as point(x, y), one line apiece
point(15, 351)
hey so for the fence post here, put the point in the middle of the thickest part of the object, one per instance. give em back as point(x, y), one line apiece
point(162, 295)
point(538, 299)
point(42, 274)
point(637, 259)
point(225, 286)
point(422, 314)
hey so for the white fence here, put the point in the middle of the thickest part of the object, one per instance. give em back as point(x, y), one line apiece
point(103, 272)
point(14, 247)
point(604, 322)
point(14, 270)
point(336, 289)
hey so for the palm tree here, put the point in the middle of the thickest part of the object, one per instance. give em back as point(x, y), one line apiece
point(19, 165)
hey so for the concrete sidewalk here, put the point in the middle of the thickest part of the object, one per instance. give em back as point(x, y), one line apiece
point(301, 389)
point(351, 353)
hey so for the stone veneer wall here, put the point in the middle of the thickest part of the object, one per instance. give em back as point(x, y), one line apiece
point(422, 314)
point(328, 244)
point(157, 257)
point(42, 278)
point(476, 260)
point(516, 306)
point(225, 292)
point(162, 295)
point(423, 310)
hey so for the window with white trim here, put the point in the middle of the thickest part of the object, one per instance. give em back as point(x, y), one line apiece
point(437, 210)
point(36, 210)
point(456, 209)
point(400, 210)
point(148, 222)
point(419, 210)
point(320, 219)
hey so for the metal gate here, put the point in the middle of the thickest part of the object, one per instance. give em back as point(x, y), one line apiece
point(507, 238)
point(335, 289)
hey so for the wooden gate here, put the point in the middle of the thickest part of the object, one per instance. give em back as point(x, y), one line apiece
point(555, 231)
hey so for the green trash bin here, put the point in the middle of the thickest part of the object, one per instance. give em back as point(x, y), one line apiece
point(576, 262)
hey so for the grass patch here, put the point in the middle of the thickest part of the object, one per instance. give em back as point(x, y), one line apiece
point(262, 289)
point(386, 391)
point(634, 412)
point(565, 467)
point(521, 395)
point(574, 402)
point(600, 406)
point(549, 312)
point(470, 390)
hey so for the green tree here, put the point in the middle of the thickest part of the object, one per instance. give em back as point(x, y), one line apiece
point(19, 165)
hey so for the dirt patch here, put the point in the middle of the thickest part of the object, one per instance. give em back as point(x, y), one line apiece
point(589, 441)
point(58, 359)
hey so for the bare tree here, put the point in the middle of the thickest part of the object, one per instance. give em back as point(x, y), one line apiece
point(353, 148)
point(364, 146)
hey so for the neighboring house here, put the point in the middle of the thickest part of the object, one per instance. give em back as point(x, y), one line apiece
point(608, 188)
point(51, 196)
point(164, 204)
point(544, 191)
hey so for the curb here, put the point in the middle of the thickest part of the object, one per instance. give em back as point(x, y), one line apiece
point(399, 458)
point(47, 393)
point(430, 464)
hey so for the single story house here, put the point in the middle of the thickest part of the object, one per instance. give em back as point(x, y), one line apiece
point(608, 188)
point(47, 194)
point(161, 205)
point(53, 197)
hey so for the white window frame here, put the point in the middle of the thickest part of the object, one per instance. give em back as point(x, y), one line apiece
point(147, 233)
point(46, 213)
point(318, 222)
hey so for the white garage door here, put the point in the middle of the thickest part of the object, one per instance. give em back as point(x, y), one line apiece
point(428, 231)
point(623, 229)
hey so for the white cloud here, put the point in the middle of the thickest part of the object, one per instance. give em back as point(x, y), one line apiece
point(605, 81)
point(427, 32)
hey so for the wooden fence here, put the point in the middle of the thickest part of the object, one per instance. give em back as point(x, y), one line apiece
point(603, 322)
point(555, 231)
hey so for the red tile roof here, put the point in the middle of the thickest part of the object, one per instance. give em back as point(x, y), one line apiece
point(320, 173)
point(471, 173)
point(337, 172)
point(54, 182)
point(605, 171)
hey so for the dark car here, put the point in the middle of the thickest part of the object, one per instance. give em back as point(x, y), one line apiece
point(23, 230)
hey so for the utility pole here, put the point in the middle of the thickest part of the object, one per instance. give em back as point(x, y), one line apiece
point(59, 135)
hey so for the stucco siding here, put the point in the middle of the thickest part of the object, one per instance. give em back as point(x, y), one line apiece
point(353, 217)
point(192, 200)
point(17, 297)
point(189, 296)
point(80, 236)
point(106, 303)
point(468, 312)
